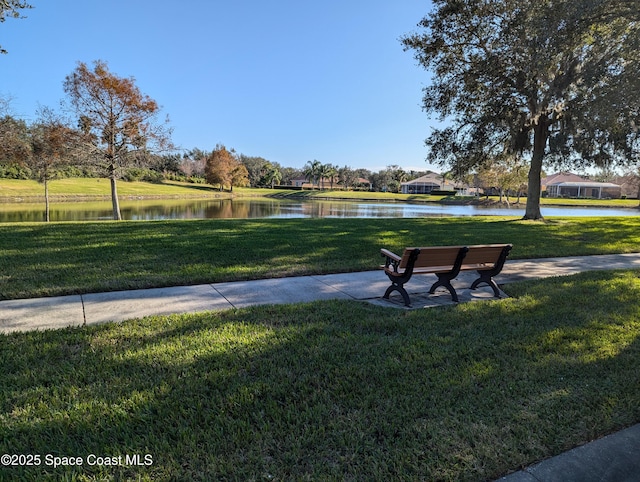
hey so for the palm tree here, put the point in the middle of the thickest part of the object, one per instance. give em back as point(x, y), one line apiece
point(324, 172)
point(312, 171)
point(331, 173)
point(272, 174)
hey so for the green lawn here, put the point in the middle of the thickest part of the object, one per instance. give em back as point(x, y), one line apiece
point(65, 258)
point(330, 390)
point(101, 188)
point(322, 391)
point(616, 203)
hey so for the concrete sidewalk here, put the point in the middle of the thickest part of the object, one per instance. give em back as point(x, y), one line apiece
point(94, 308)
point(615, 458)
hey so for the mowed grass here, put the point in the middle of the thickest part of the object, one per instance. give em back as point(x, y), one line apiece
point(101, 188)
point(330, 390)
point(69, 258)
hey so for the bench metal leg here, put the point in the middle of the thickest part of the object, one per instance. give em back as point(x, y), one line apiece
point(486, 275)
point(444, 280)
point(400, 289)
point(398, 280)
point(489, 281)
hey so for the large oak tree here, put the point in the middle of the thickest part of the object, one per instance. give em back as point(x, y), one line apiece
point(556, 80)
point(119, 122)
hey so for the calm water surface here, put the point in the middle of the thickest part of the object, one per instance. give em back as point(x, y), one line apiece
point(248, 208)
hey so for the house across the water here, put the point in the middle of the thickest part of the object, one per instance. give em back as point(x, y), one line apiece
point(573, 186)
point(427, 183)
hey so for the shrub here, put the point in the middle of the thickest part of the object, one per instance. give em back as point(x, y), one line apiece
point(141, 174)
point(15, 171)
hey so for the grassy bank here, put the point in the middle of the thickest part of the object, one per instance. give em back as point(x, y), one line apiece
point(12, 190)
point(65, 258)
point(330, 390)
point(97, 189)
point(418, 198)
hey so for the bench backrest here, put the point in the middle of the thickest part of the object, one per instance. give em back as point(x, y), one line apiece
point(488, 254)
point(432, 256)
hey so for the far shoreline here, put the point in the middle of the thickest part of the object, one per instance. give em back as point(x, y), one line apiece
point(93, 189)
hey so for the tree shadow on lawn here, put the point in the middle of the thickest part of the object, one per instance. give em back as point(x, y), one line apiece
point(332, 389)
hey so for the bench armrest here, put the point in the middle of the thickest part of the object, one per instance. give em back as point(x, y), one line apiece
point(392, 259)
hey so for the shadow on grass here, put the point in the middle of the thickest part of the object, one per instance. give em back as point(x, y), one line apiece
point(332, 390)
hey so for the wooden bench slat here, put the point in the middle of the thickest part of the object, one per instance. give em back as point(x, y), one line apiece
point(431, 256)
point(486, 254)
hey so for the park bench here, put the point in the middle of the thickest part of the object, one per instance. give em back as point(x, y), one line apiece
point(445, 262)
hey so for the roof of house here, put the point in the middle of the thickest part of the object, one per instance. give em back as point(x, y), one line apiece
point(422, 182)
point(567, 179)
point(431, 178)
point(561, 177)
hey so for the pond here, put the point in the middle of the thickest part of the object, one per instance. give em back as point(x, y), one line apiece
point(254, 208)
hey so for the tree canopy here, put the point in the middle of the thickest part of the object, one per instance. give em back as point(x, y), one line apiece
point(554, 80)
point(14, 140)
point(51, 142)
point(225, 169)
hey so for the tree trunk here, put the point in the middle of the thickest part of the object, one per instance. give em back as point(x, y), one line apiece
point(532, 210)
point(46, 200)
point(114, 199)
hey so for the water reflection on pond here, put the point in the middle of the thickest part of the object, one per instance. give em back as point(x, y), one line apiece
point(253, 208)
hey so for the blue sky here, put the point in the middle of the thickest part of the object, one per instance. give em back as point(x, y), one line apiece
point(290, 81)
